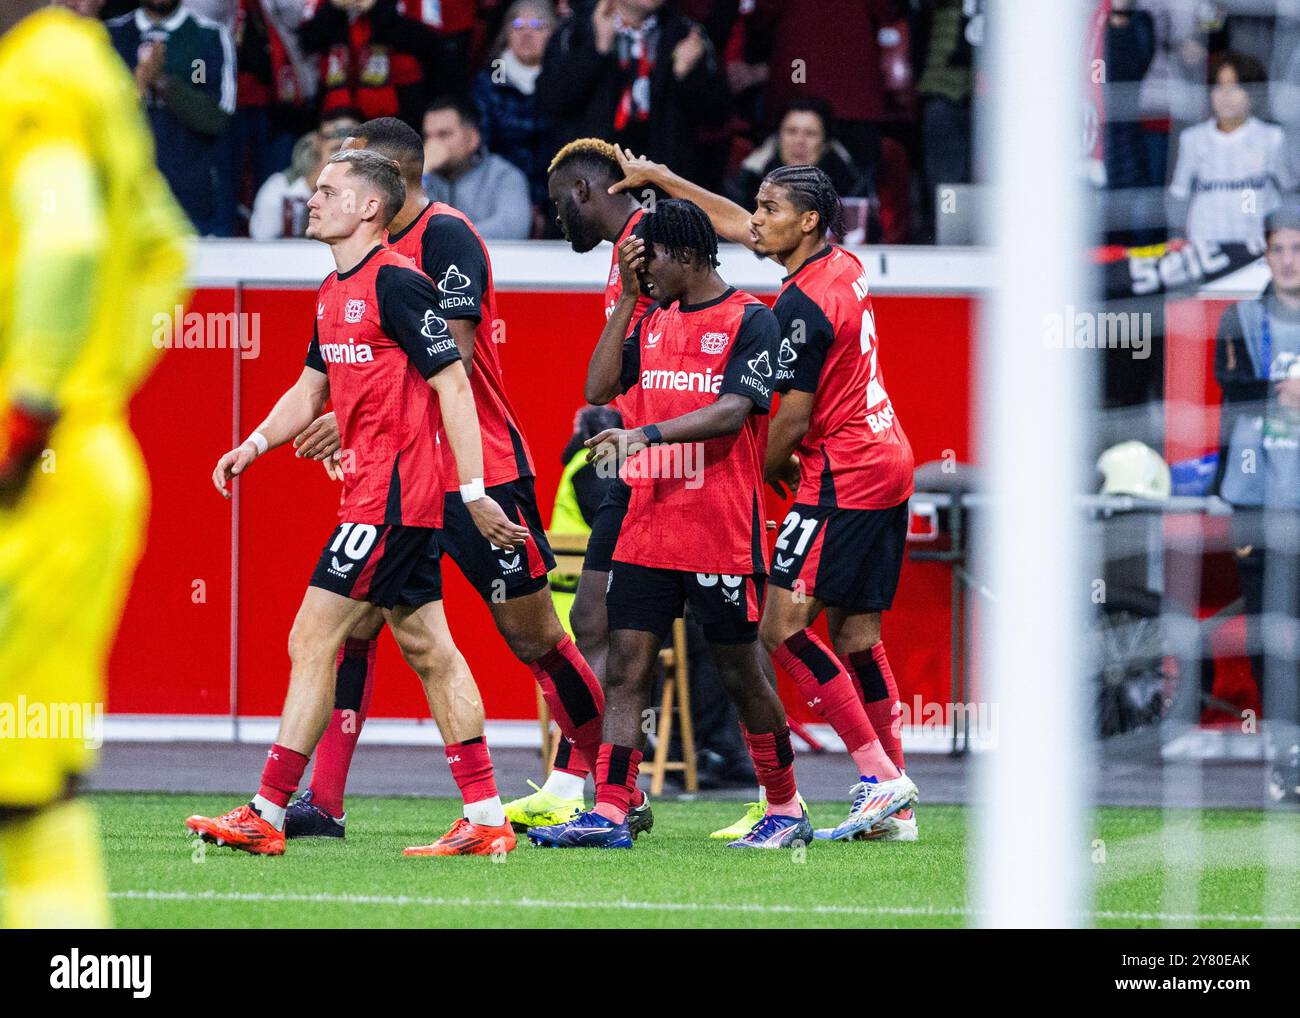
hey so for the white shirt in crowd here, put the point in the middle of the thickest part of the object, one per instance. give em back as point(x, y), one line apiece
point(280, 208)
point(1231, 180)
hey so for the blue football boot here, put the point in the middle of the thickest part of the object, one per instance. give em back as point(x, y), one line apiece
point(586, 830)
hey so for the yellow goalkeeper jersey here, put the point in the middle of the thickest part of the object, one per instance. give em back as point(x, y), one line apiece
point(92, 243)
point(92, 247)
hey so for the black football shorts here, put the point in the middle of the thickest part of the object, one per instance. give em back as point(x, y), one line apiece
point(387, 565)
point(649, 599)
point(498, 574)
point(846, 558)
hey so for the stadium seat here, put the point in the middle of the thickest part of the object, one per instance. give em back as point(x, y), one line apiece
point(676, 696)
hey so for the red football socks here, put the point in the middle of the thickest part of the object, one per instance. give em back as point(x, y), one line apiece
point(576, 701)
point(824, 683)
point(281, 774)
point(875, 679)
point(353, 688)
point(616, 773)
point(471, 766)
point(773, 759)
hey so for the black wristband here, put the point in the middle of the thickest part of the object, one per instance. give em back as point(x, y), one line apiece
point(652, 434)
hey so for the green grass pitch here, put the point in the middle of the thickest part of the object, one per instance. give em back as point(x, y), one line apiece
point(675, 877)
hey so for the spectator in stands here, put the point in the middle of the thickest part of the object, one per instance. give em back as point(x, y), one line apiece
point(1284, 92)
point(276, 86)
point(458, 170)
point(512, 122)
point(634, 72)
point(280, 208)
point(1232, 169)
point(1130, 48)
point(805, 137)
point(945, 89)
point(368, 57)
point(184, 69)
point(1171, 91)
point(830, 49)
point(440, 34)
point(1257, 366)
point(223, 12)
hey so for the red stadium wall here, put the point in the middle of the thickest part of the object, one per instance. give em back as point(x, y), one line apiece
point(173, 653)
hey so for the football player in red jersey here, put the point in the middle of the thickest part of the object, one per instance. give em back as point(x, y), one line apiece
point(511, 581)
point(840, 548)
point(581, 176)
point(578, 181)
point(387, 360)
point(697, 371)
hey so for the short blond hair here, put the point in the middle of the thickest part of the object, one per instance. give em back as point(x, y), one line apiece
point(593, 151)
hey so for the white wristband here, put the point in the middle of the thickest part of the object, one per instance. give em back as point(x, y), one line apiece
point(473, 491)
point(259, 442)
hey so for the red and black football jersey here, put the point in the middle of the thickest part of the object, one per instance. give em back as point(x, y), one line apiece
point(445, 245)
point(855, 454)
point(614, 289)
point(379, 338)
point(697, 506)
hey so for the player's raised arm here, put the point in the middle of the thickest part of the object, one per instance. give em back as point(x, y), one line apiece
point(729, 219)
point(292, 412)
point(407, 301)
point(612, 366)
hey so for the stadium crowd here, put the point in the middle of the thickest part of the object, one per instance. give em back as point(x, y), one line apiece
point(247, 98)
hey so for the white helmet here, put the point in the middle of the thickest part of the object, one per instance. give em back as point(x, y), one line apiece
point(1133, 468)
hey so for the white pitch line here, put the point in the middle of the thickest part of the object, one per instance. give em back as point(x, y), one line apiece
point(624, 904)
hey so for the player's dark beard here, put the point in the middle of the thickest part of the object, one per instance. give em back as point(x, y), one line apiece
point(163, 7)
point(582, 237)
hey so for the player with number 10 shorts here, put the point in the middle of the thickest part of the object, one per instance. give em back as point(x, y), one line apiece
point(442, 242)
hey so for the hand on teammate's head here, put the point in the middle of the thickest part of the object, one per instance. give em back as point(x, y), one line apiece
point(638, 171)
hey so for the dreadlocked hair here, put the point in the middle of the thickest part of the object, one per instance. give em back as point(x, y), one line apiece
point(684, 229)
point(811, 191)
point(593, 154)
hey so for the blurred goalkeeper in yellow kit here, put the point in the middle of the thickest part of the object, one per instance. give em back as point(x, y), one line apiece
point(91, 247)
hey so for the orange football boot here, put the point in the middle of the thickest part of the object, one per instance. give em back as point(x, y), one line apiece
point(466, 838)
point(242, 828)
